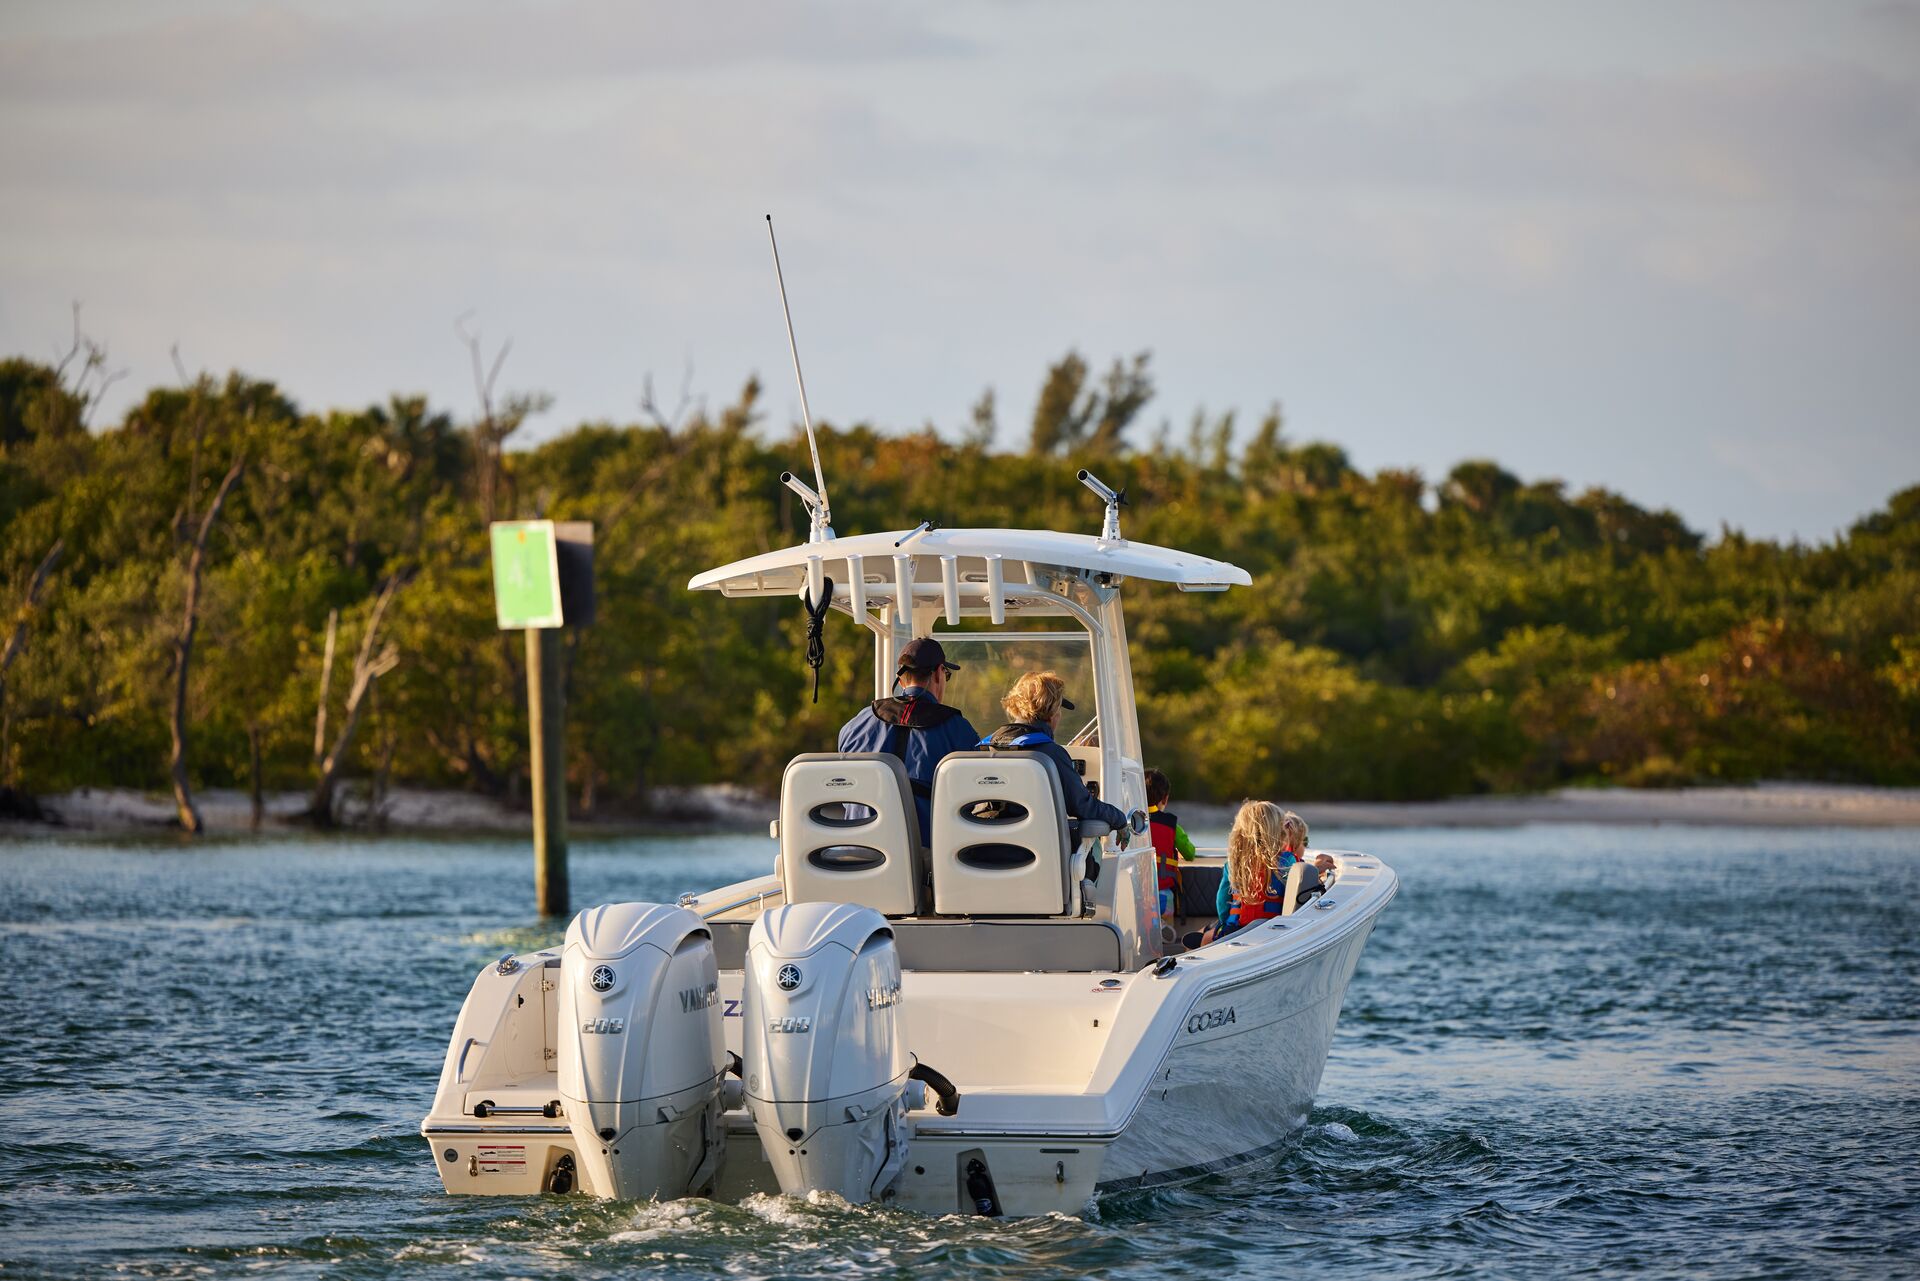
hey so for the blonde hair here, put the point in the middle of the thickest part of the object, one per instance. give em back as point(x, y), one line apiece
point(1262, 832)
point(1034, 698)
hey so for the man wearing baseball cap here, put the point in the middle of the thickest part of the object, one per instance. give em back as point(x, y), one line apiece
point(914, 724)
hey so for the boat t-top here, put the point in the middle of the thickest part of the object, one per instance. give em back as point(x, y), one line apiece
point(995, 1020)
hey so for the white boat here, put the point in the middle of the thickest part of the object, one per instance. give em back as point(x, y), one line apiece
point(975, 1026)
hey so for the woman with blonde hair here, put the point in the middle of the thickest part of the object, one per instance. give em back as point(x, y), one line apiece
point(1033, 708)
point(1265, 843)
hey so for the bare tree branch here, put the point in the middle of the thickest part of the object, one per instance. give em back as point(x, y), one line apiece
point(92, 369)
point(326, 687)
point(499, 418)
point(17, 641)
point(183, 655)
point(493, 375)
point(368, 667)
point(60, 367)
point(107, 379)
point(486, 431)
point(184, 516)
point(387, 589)
point(648, 406)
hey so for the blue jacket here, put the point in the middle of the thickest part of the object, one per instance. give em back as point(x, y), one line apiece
point(1080, 802)
point(917, 727)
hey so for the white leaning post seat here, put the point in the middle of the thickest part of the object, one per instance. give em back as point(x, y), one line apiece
point(1290, 895)
point(1000, 840)
point(825, 857)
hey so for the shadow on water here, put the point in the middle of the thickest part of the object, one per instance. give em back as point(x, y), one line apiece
point(1567, 1051)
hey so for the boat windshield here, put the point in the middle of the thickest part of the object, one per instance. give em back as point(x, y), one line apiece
point(991, 662)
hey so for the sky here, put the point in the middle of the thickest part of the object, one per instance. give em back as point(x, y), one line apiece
point(1668, 248)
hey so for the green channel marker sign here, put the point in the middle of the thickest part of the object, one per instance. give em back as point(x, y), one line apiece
point(526, 574)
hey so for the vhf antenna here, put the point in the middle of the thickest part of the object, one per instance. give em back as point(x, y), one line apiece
point(816, 502)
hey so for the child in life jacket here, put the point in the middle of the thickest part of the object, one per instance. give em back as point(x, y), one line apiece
point(1171, 843)
point(1265, 843)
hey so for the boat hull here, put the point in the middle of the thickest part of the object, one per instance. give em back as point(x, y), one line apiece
point(1232, 1089)
point(1209, 1063)
point(1241, 1077)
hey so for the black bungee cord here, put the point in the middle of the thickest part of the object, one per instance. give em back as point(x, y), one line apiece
point(816, 631)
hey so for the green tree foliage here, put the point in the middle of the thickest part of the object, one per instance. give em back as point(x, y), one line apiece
point(1071, 417)
point(1405, 640)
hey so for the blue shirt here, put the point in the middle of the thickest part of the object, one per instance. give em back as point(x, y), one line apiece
point(1080, 802)
point(866, 732)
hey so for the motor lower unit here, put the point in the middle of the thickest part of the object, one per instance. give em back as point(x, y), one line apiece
point(826, 1062)
point(640, 1053)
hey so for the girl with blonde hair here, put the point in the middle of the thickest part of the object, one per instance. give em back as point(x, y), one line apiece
point(1265, 842)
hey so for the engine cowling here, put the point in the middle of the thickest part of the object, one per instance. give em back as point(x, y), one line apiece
point(825, 1056)
point(640, 1050)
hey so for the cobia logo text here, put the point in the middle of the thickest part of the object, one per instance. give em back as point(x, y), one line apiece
point(1208, 1020)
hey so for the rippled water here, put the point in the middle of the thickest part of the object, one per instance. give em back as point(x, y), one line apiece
point(1567, 1050)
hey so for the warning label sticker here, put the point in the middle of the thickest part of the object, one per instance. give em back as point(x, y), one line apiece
point(502, 1158)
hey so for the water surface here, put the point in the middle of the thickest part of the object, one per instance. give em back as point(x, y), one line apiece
point(1568, 1050)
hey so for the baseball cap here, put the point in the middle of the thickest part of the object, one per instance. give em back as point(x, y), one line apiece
point(924, 654)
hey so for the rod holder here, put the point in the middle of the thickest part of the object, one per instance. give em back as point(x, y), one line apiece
point(857, 585)
point(818, 528)
point(950, 588)
point(903, 589)
point(1114, 499)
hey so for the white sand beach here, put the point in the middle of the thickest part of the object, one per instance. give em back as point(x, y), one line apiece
point(1793, 804)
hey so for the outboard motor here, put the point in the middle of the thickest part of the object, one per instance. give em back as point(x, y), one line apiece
point(640, 1054)
point(826, 1062)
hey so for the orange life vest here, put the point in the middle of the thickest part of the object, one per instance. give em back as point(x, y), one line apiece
point(1272, 904)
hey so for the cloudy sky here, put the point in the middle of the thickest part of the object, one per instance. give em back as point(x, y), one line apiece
point(1672, 248)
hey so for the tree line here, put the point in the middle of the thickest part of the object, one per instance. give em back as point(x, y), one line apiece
point(226, 589)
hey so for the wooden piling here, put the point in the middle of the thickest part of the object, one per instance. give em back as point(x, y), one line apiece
point(547, 725)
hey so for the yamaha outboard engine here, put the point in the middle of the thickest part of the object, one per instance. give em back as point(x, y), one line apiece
point(640, 1054)
point(826, 1060)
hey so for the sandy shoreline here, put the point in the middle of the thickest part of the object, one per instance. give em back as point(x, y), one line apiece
point(1765, 804)
point(123, 811)
point(110, 812)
